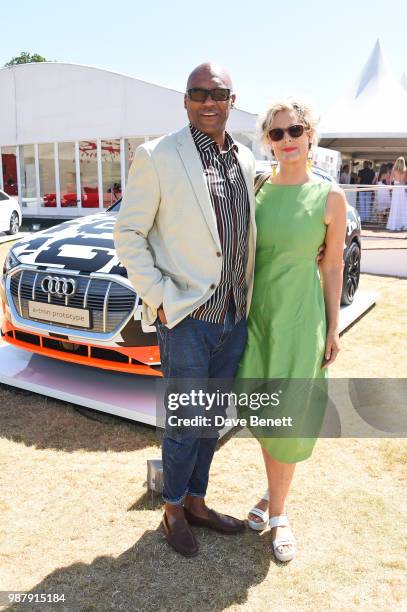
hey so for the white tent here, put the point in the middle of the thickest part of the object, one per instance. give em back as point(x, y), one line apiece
point(403, 80)
point(369, 120)
point(68, 133)
point(53, 101)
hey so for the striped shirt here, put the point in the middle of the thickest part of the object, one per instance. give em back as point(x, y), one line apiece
point(230, 201)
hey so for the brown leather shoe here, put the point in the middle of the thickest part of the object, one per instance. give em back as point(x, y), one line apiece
point(216, 521)
point(180, 537)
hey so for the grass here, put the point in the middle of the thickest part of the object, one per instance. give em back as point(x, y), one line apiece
point(75, 517)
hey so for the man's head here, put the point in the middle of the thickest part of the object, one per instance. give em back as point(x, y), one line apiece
point(209, 116)
point(366, 164)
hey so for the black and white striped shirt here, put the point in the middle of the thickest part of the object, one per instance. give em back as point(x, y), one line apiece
point(230, 202)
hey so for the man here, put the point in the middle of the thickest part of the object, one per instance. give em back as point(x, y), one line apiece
point(186, 234)
point(366, 176)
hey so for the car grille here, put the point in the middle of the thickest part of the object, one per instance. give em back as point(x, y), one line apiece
point(109, 302)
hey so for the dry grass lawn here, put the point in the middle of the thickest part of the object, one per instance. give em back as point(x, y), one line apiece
point(75, 517)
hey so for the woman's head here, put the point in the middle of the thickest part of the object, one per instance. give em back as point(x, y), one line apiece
point(400, 165)
point(384, 171)
point(288, 128)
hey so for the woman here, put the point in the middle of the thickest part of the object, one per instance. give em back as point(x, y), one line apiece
point(383, 195)
point(293, 323)
point(398, 211)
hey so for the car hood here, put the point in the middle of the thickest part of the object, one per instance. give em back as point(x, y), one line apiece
point(84, 244)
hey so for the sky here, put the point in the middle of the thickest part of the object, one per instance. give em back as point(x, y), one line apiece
point(312, 48)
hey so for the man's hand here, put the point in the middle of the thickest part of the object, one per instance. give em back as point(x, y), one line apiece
point(161, 315)
point(321, 253)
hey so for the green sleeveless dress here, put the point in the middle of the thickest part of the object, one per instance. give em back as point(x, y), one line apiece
point(286, 323)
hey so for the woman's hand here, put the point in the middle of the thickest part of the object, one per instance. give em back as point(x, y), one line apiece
point(161, 315)
point(331, 348)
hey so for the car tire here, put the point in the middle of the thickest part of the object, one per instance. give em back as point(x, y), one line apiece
point(351, 274)
point(14, 224)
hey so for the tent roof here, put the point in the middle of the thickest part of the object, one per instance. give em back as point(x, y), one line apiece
point(374, 107)
point(55, 102)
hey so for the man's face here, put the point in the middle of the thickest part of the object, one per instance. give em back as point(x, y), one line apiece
point(210, 116)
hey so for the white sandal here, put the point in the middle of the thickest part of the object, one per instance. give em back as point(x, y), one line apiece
point(262, 514)
point(282, 521)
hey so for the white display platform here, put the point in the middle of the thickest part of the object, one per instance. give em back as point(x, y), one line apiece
point(117, 393)
point(121, 394)
point(386, 262)
point(7, 238)
point(363, 301)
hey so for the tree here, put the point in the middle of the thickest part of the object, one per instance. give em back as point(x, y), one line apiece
point(25, 58)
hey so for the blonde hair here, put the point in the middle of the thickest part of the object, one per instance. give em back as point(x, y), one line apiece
point(400, 165)
point(303, 111)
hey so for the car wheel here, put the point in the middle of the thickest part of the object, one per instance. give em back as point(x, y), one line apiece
point(14, 224)
point(351, 274)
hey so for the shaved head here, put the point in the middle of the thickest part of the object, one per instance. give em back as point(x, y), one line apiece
point(209, 70)
point(209, 115)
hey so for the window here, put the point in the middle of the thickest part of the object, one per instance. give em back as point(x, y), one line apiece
point(27, 176)
point(9, 164)
point(67, 174)
point(89, 174)
point(111, 173)
point(47, 175)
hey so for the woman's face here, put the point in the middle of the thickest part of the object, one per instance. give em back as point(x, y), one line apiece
point(289, 150)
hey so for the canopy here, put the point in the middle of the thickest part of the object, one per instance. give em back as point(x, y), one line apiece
point(371, 118)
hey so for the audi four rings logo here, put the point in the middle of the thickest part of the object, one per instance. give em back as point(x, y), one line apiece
point(58, 286)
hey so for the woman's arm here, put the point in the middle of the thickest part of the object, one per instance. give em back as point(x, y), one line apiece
point(332, 268)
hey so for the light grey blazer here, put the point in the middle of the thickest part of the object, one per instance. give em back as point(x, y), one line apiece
point(166, 233)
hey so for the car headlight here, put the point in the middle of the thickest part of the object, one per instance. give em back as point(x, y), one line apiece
point(10, 262)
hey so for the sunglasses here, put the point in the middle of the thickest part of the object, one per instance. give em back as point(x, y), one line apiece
point(198, 94)
point(295, 131)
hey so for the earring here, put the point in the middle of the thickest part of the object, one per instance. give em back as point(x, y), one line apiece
point(273, 165)
point(310, 156)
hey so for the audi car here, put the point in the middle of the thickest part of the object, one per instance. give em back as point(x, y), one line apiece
point(66, 295)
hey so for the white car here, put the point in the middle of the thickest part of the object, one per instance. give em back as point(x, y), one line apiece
point(10, 214)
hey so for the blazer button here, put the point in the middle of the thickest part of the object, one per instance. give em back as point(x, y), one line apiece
point(213, 286)
point(218, 254)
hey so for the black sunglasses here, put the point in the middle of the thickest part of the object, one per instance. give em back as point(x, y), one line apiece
point(198, 94)
point(295, 131)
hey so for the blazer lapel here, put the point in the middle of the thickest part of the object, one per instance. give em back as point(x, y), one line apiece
point(193, 166)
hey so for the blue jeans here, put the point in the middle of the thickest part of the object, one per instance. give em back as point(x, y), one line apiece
point(196, 349)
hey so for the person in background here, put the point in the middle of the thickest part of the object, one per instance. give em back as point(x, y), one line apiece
point(366, 176)
point(344, 178)
point(398, 211)
point(383, 199)
point(351, 192)
point(371, 166)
